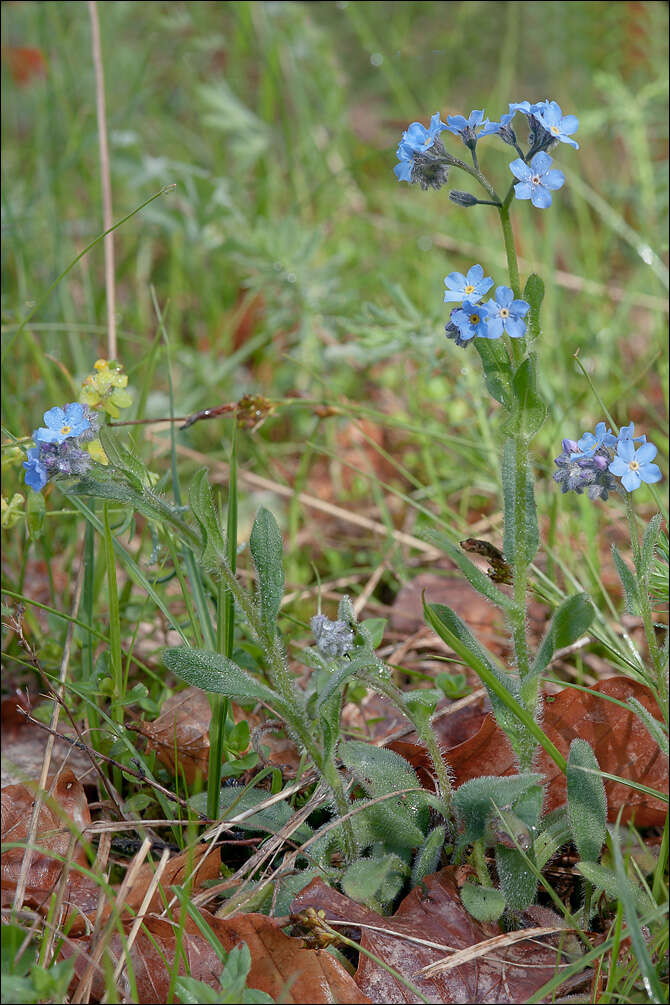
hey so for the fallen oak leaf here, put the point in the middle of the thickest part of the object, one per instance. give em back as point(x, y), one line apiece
point(428, 923)
point(618, 737)
point(63, 813)
point(280, 965)
point(180, 734)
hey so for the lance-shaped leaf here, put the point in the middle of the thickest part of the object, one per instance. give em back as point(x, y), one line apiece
point(202, 504)
point(570, 621)
point(218, 675)
point(123, 460)
point(503, 689)
point(531, 410)
point(428, 856)
point(517, 883)
point(649, 542)
point(267, 550)
point(529, 533)
point(380, 772)
point(497, 371)
point(534, 295)
point(516, 721)
point(628, 581)
point(587, 802)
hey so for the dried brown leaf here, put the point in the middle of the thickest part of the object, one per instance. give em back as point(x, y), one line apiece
point(433, 913)
point(280, 965)
point(182, 731)
point(620, 740)
point(65, 810)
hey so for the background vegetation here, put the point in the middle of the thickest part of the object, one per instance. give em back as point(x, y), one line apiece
point(288, 263)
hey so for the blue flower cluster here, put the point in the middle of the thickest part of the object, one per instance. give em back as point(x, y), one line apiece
point(597, 460)
point(58, 445)
point(422, 157)
point(476, 318)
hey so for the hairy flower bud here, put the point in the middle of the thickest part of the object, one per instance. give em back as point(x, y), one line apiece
point(463, 198)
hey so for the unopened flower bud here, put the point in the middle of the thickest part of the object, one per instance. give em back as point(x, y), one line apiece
point(463, 198)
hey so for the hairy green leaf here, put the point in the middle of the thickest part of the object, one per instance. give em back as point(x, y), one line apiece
point(476, 801)
point(570, 621)
point(497, 370)
point(375, 881)
point(428, 856)
point(517, 883)
point(484, 903)
point(266, 548)
point(218, 675)
point(587, 802)
point(628, 581)
point(204, 510)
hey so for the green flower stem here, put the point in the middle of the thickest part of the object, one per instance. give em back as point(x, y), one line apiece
point(475, 173)
point(518, 560)
point(424, 730)
point(478, 859)
point(661, 677)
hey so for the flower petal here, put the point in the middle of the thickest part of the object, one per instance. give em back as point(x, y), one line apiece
point(646, 453)
point(521, 171)
point(553, 179)
point(650, 473)
point(540, 197)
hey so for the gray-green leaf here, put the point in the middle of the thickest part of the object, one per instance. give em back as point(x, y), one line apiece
point(587, 802)
point(266, 548)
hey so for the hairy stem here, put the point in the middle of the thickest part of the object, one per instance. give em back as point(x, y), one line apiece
point(660, 671)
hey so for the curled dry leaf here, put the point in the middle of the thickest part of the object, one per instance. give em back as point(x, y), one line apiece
point(433, 912)
point(64, 812)
point(181, 732)
point(24, 743)
point(280, 965)
point(620, 740)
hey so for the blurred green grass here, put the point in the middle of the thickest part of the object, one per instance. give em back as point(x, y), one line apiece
point(288, 260)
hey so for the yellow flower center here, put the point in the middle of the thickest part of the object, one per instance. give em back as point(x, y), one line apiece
point(535, 180)
point(469, 289)
point(555, 130)
point(474, 319)
point(634, 465)
point(65, 430)
point(504, 313)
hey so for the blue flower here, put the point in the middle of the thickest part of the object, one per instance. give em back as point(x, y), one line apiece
point(416, 140)
point(468, 129)
point(62, 423)
point(628, 433)
point(503, 127)
point(470, 321)
point(588, 444)
point(633, 466)
point(506, 314)
point(536, 180)
point(403, 170)
point(36, 475)
point(470, 287)
point(526, 107)
point(559, 126)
